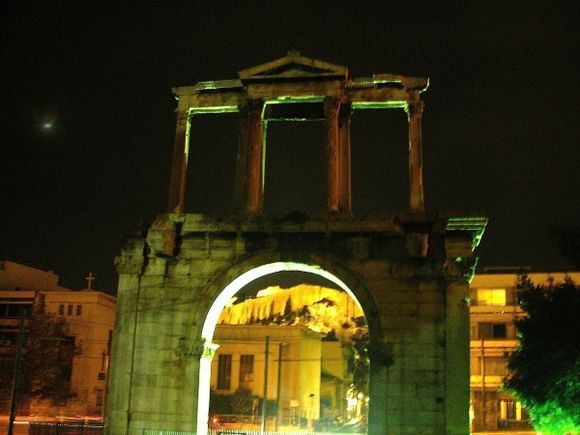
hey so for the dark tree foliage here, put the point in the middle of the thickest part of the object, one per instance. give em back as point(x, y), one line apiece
point(545, 369)
point(240, 402)
point(46, 362)
point(568, 240)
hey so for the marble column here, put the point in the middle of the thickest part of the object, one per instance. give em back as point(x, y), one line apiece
point(249, 197)
point(414, 114)
point(331, 111)
point(180, 160)
point(344, 156)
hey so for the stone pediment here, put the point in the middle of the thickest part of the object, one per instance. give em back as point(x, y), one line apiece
point(293, 66)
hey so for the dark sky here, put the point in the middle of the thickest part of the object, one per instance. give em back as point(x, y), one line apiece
point(500, 126)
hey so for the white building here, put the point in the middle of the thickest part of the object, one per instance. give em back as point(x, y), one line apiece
point(292, 371)
point(90, 316)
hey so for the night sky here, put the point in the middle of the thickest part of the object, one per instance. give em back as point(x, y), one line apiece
point(500, 127)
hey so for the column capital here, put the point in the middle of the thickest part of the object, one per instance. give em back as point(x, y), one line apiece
point(251, 106)
point(183, 115)
point(415, 109)
point(332, 105)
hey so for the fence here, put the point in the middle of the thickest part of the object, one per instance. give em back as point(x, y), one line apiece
point(81, 428)
point(58, 428)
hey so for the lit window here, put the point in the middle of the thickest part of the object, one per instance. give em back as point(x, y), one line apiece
point(491, 296)
point(246, 371)
point(79, 310)
point(224, 372)
point(495, 365)
point(512, 410)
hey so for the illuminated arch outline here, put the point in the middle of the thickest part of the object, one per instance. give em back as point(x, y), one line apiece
point(218, 305)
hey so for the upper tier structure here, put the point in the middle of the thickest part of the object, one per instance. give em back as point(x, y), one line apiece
point(297, 88)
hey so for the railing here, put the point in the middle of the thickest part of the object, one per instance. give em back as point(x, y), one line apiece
point(82, 428)
point(514, 424)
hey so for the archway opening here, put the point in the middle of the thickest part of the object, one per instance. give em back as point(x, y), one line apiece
point(380, 162)
point(290, 343)
point(294, 157)
point(212, 163)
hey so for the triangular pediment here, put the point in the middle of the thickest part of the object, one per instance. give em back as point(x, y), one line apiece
point(293, 66)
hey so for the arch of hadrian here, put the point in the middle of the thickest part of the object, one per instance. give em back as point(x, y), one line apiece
point(409, 272)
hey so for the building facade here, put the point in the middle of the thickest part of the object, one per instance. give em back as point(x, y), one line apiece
point(90, 317)
point(286, 359)
point(493, 309)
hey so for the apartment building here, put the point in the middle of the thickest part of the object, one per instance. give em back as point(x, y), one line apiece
point(493, 309)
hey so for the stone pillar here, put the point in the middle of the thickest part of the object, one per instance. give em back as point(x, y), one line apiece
point(459, 268)
point(119, 391)
point(416, 201)
point(457, 357)
point(378, 380)
point(344, 156)
point(179, 167)
point(249, 197)
point(331, 111)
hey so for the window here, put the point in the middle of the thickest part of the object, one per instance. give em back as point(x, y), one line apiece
point(246, 371)
point(99, 398)
point(69, 310)
point(61, 310)
point(224, 372)
point(495, 365)
point(492, 330)
point(79, 310)
point(103, 361)
point(8, 337)
point(512, 410)
point(14, 310)
point(491, 296)
point(67, 369)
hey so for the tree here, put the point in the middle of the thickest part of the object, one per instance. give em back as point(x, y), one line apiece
point(568, 240)
point(545, 368)
point(46, 362)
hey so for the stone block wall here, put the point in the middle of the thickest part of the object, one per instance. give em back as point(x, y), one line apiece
point(412, 292)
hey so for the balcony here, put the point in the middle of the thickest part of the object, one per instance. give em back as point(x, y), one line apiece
point(491, 344)
point(492, 382)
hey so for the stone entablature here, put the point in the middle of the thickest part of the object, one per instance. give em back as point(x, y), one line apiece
point(297, 88)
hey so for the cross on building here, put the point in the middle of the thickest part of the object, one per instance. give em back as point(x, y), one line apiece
point(90, 278)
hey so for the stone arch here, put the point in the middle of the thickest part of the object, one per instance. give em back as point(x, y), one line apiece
point(229, 282)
